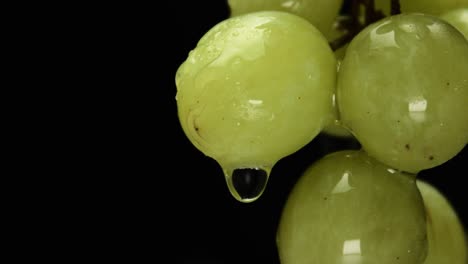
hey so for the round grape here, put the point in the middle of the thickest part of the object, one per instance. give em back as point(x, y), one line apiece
point(403, 91)
point(256, 88)
point(350, 208)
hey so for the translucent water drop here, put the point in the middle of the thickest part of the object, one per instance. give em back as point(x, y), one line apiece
point(247, 184)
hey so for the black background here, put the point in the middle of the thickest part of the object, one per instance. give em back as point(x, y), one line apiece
point(178, 197)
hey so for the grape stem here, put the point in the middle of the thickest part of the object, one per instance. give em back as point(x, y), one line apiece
point(352, 25)
point(395, 7)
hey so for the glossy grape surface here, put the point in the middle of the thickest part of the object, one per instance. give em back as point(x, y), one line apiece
point(403, 91)
point(257, 88)
point(350, 208)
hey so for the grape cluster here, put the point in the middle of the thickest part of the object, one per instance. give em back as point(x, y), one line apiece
point(266, 81)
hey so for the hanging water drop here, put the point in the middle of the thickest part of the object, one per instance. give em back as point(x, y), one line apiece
point(247, 184)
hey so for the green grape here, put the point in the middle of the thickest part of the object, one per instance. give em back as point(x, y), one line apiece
point(350, 208)
point(256, 88)
point(458, 18)
point(320, 13)
point(403, 91)
point(432, 7)
point(445, 234)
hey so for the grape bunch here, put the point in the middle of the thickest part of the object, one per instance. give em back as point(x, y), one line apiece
point(393, 75)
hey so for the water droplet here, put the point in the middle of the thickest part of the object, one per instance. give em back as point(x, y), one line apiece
point(247, 184)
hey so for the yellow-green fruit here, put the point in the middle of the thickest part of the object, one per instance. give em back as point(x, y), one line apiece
point(403, 91)
point(320, 13)
point(445, 233)
point(256, 88)
point(350, 208)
